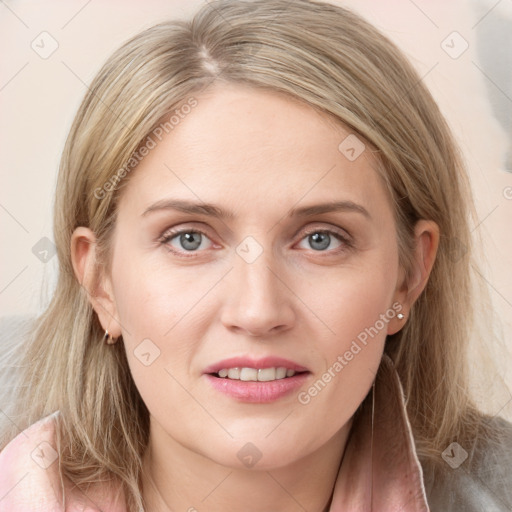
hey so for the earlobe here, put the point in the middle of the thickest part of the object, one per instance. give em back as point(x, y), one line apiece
point(98, 287)
point(426, 234)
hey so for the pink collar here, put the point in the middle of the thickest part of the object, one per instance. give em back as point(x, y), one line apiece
point(379, 472)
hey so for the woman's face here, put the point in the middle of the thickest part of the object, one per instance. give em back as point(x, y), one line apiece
point(254, 235)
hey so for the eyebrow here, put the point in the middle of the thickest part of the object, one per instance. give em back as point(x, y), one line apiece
point(215, 211)
point(333, 206)
point(190, 207)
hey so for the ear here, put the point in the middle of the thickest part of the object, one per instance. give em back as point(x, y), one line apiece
point(426, 234)
point(97, 285)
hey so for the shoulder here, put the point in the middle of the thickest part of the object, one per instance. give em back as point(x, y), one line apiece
point(27, 464)
point(30, 476)
point(475, 477)
point(38, 435)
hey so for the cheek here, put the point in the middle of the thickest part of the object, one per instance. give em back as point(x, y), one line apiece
point(355, 308)
point(152, 306)
point(163, 319)
point(150, 299)
point(143, 302)
point(350, 301)
point(151, 312)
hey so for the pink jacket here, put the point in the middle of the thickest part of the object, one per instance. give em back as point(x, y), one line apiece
point(382, 476)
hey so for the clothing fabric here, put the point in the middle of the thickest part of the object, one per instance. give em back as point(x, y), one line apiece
point(379, 471)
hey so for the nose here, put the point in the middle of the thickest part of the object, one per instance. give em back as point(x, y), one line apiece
point(259, 301)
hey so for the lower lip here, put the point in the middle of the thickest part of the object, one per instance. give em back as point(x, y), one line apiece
point(258, 392)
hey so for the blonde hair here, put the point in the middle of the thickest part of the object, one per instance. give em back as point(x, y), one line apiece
point(334, 61)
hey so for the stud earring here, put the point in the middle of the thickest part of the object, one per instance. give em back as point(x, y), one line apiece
point(400, 316)
point(109, 339)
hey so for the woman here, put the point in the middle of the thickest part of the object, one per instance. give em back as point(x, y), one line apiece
point(264, 297)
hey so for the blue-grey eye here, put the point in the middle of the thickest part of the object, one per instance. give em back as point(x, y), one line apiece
point(190, 241)
point(319, 241)
point(322, 240)
point(187, 240)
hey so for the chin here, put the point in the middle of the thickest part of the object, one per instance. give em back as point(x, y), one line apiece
point(260, 454)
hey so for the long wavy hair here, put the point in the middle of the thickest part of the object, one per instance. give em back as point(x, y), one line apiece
point(334, 61)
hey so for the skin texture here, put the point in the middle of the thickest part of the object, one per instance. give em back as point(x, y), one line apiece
point(257, 154)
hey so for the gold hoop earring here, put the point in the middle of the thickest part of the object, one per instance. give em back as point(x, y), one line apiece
point(108, 338)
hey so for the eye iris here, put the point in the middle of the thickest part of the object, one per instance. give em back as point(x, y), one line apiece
point(321, 240)
point(190, 241)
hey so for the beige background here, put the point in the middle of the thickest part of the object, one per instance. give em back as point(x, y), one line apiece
point(38, 98)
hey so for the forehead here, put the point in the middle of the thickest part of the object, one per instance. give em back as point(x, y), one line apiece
point(251, 147)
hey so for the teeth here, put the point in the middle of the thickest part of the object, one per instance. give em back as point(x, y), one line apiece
point(234, 373)
point(254, 374)
point(248, 374)
point(267, 374)
point(281, 373)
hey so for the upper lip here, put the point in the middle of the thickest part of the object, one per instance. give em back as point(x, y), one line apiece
point(249, 362)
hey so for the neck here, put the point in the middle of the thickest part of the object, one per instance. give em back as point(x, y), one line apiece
point(177, 479)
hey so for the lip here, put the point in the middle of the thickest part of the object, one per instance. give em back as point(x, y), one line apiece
point(256, 391)
point(248, 362)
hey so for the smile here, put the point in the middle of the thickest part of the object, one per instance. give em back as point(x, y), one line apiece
point(256, 374)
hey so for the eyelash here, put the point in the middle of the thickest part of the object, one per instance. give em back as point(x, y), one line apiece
point(170, 234)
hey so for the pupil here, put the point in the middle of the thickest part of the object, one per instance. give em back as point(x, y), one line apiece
point(321, 240)
point(190, 241)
